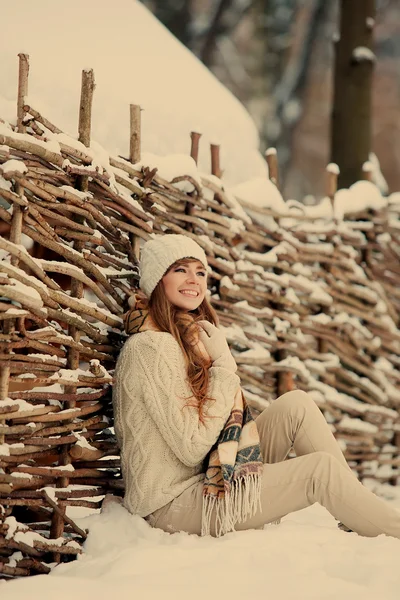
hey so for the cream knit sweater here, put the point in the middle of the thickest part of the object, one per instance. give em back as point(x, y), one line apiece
point(162, 441)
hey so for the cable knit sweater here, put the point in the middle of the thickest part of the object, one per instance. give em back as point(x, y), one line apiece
point(162, 441)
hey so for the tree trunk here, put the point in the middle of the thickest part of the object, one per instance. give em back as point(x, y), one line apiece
point(176, 15)
point(351, 114)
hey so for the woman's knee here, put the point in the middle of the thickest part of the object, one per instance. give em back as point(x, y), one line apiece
point(323, 465)
point(293, 400)
point(294, 404)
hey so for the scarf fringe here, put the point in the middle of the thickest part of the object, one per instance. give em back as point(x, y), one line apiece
point(240, 503)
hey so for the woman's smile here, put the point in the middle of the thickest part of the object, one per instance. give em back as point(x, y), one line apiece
point(190, 293)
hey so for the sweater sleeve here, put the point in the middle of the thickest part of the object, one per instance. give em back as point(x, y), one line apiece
point(161, 373)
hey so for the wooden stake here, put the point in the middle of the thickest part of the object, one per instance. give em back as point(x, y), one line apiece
point(84, 128)
point(194, 149)
point(61, 512)
point(23, 74)
point(215, 160)
point(367, 171)
point(285, 379)
point(332, 172)
point(4, 379)
point(136, 133)
point(135, 142)
point(273, 170)
point(16, 222)
point(136, 246)
point(85, 107)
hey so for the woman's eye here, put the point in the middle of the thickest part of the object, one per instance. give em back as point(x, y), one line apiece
point(202, 273)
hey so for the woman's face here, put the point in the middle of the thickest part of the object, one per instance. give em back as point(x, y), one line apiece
point(185, 285)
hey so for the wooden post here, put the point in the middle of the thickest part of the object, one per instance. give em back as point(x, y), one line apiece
point(84, 128)
point(4, 377)
point(136, 246)
point(272, 161)
point(215, 160)
point(368, 171)
point(23, 74)
point(332, 172)
point(285, 379)
point(85, 117)
point(16, 222)
point(135, 134)
point(85, 107)
point(135, 143)
point(194, 148)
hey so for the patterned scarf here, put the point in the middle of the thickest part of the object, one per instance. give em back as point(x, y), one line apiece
point(232, 485)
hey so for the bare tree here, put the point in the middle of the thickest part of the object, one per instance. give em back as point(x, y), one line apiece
point(176, 15)
point(226, 16)
point(351, 114)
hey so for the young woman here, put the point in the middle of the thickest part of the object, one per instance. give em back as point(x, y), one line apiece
point(193, 459)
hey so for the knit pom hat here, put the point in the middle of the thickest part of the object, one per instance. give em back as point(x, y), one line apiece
point(159, 253)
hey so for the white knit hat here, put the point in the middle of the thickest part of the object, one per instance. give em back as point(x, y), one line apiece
point(159, 253)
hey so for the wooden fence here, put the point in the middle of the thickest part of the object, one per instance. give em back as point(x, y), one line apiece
point(306, 302)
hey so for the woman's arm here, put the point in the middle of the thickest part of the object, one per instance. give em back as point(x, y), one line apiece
point(161, 373)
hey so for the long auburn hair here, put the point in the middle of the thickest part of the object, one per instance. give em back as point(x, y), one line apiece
point(182, 325)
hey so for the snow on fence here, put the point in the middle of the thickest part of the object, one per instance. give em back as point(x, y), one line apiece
point(307, 299)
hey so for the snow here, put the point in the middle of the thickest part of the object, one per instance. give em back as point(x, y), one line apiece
point(4, 450)
point(261, 193)
point(14, 165)
point(333, 168)
point(362, 195)
point(172, 166)
point(51, 492)
point(22, 404)
point(357, 425)
point(4, 184)
point(27, 294)
point(52, 146)
point(370, 22)
point(377, 175)
point(362, 53)
point(305, 557)
point(124, 45)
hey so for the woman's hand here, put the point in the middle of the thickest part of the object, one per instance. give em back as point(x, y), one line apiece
point(216, 345)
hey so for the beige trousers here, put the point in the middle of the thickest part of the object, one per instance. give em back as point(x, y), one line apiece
point(319, 473)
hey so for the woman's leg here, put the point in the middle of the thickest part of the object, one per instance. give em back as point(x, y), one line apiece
point(319, 477)
point(295, 421)
point(289, 486)
point(318, 474)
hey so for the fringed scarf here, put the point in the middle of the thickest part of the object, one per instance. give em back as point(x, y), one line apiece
point(232, 485)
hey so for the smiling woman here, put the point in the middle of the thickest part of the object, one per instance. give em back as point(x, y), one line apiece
point(185, 284)
point(192, 456)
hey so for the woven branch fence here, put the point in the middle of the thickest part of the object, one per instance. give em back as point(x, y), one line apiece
point(306, 302)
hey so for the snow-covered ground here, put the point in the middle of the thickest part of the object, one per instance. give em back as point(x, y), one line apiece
point(306, 557)
point(135, 60)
